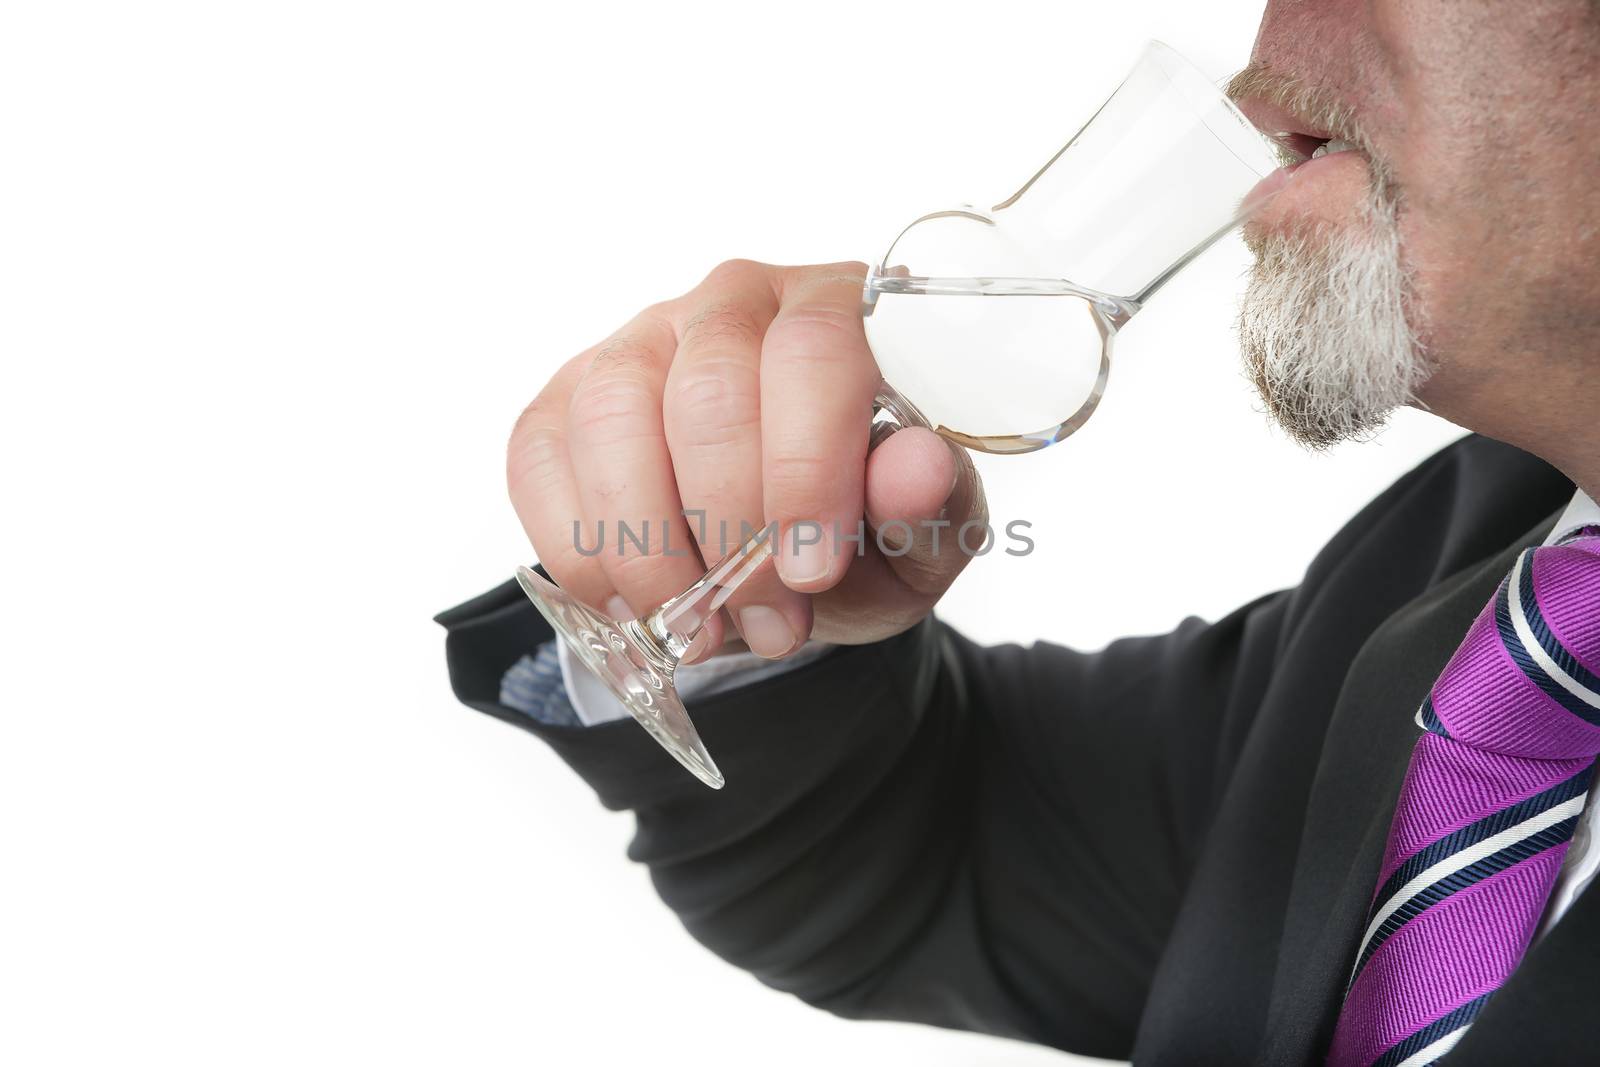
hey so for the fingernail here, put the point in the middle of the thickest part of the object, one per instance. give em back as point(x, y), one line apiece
point(765, 631)
point(804, 556)
point(697, 648)
point(618, 608)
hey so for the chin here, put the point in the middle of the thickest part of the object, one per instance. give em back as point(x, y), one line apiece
point(1324, 325)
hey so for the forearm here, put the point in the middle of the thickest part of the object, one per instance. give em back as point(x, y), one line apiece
point(922, 829)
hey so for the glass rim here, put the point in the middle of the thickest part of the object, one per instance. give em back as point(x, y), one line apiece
point(1197, 89)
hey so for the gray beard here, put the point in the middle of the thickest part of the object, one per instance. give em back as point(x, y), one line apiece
point(1324, 332)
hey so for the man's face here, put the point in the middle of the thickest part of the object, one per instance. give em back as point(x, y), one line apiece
point(1472, 200)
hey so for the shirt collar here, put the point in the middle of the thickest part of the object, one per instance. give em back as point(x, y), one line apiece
point(1581, 512)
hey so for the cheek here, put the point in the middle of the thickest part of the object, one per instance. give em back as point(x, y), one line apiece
point(1460, 228)
point(1427, 262)
point(1458, 277)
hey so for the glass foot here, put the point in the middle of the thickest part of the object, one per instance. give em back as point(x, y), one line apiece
point(617, 654)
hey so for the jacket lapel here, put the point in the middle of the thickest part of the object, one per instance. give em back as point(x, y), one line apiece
point(1545, 1013)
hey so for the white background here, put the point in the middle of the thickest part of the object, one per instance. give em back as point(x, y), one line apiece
point(275, 279)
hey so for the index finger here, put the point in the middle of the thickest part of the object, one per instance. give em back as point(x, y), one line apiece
point(817, 384)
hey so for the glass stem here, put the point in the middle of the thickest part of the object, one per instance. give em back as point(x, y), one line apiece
point(673, 625)
point(668, 631)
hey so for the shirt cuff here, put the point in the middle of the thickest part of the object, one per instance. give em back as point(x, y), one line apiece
point(533, 686)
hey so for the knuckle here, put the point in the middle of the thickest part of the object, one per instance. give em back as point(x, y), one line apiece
point(554, 546)
point(538, 440)
point(827, 333)
point(734, 273)
point(538, 421)
point(581, 576)
point(620, 356)
point(718, 402)
point(547, 411)
point(799, 486)
point(534, 453)
point(823, 317)
point(721, 323)
point(617, 397)
point(851, 272)
point(649, 572)
point(714, 501)
point(617, 410)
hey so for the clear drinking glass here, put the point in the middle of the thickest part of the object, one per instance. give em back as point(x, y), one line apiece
point(995, 327)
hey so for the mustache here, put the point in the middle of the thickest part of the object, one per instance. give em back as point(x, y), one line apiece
point(1319, 110)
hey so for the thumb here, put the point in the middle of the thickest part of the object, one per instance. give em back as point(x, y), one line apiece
point(921, 491)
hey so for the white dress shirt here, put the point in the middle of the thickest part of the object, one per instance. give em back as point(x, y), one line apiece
point(595, 704)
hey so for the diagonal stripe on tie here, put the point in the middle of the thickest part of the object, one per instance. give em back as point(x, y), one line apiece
point(1553, 656)
point(1459, 950)
point(1493, 831)
point(1433, 1040)
point(1467, 868)
point(1526, 651)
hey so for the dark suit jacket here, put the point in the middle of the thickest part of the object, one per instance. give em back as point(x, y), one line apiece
point(1162, 850)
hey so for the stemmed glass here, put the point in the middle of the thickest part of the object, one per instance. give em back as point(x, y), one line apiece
point(1163, 169)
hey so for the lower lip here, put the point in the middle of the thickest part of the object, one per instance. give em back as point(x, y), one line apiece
point(1280, 178)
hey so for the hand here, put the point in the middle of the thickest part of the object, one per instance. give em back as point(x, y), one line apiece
point(748, 398)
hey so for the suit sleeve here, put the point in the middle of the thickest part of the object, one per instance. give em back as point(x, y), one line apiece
point(923, 829)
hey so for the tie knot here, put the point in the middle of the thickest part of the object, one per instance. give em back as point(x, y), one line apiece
point(1526, 680)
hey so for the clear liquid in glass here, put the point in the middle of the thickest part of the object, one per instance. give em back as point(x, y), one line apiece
point(1000, 365)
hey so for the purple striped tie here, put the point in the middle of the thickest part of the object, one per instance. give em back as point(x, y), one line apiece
point(1494, 789)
